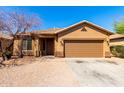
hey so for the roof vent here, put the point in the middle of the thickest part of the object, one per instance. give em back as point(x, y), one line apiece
point(83, 29)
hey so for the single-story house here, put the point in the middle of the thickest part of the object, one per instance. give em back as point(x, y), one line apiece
point(83, 39)
point(116, 39)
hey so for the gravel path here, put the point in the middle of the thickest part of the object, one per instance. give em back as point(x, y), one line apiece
point(44, 72)
point(98, 72)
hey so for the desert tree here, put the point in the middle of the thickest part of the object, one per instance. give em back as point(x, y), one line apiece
point(119, 26)
point(13, 23)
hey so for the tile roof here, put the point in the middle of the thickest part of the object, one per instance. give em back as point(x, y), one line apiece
point(86, 22)
point(48, 31)
point(58, 30)
point(116, 36)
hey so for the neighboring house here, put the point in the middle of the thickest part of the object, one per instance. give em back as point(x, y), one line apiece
point(116, 39)
point(83, 39)
point(5, 41)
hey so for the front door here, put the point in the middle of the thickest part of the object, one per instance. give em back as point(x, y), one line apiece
point(48, 46)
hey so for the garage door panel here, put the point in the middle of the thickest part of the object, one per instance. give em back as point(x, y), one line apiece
point(84, 55)
point(84, 48)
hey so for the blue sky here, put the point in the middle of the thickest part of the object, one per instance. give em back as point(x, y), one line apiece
point(63, 16)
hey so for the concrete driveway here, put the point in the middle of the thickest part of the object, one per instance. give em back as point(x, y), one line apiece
point(96, 72)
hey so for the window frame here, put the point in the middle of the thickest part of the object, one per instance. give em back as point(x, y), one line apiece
point(26, 44)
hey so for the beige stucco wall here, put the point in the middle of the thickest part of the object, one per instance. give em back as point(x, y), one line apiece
point(17, 47)
point(36, 46)
point(117, 42)
point(78, 33)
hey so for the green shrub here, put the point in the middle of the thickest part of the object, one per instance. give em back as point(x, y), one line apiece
point(117, 50)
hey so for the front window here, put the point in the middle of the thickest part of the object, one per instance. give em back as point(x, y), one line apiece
point(27, 44)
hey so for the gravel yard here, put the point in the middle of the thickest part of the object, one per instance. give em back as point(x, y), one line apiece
point(44, 72)
point(50, 71)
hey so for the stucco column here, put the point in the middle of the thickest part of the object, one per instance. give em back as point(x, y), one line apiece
point(36, 47)
point(107, 48)
point(17, 47)
point(55, 46)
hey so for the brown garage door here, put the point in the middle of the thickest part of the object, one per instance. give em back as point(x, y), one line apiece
point(83, 48)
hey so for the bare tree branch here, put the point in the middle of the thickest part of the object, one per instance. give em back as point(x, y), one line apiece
point(12, 23)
